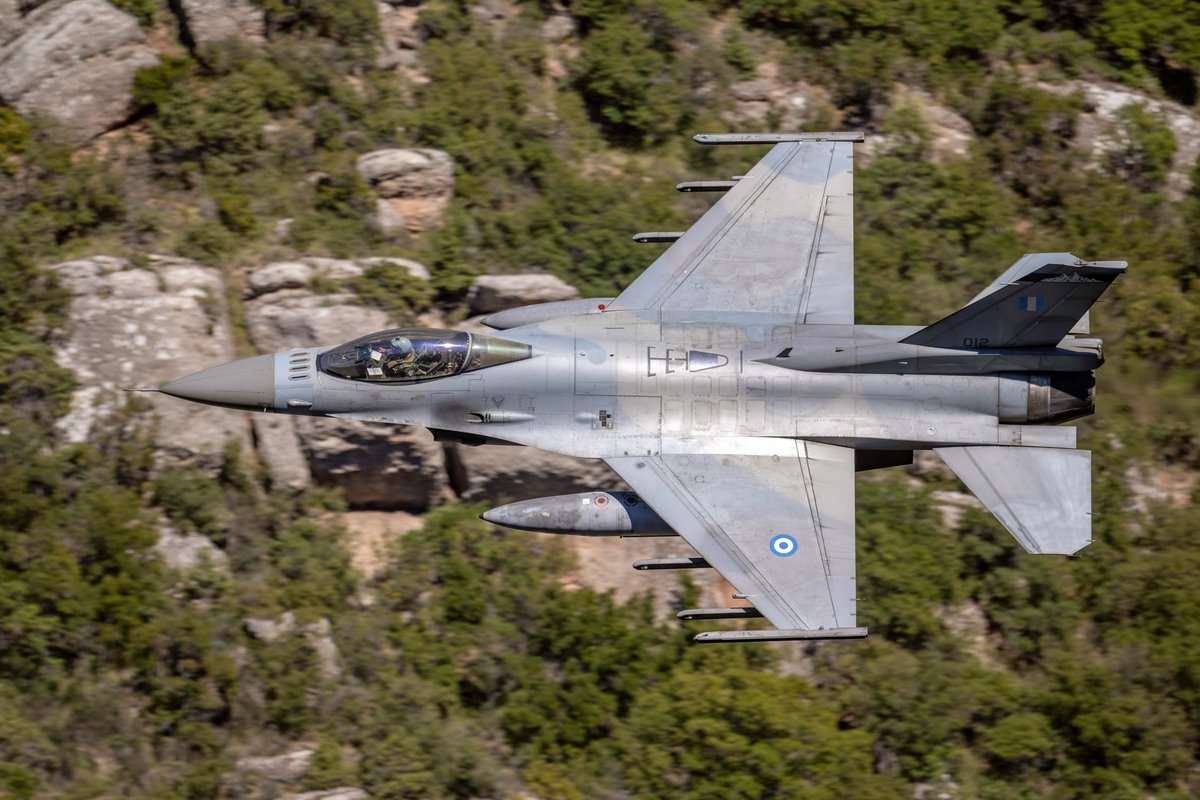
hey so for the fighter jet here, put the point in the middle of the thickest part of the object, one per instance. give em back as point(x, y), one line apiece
point(730, 387)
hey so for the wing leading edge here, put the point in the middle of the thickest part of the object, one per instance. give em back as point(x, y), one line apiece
point(777, 525)
point(781, 241)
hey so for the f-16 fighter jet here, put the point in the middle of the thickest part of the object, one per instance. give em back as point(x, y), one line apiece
point(730, 387)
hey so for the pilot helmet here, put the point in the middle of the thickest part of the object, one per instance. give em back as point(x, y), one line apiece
point(402, 344)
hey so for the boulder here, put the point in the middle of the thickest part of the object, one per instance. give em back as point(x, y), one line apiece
point(336, 793)
point(491, 293)
point(558, 28)
point(298, 318)
point(278, 447)
point(416, 269)
point(399, 39)
point(269, 630)
point(300, 273)
point(951, 134)
point(74, 61)
point(319, 635)
point(204, 21)
point(131, 327)
point(284, 768)
point(417, 184)
point(185, 551)
point(772, 98)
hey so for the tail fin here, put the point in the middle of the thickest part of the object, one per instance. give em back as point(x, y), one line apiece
point(1035, 303)
point(1042, 495)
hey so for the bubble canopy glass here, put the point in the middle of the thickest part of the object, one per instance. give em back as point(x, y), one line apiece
point(418, 354)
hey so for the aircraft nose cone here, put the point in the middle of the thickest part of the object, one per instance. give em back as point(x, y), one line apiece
point(247, 383)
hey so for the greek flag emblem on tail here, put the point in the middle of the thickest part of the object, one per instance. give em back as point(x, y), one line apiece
point(1033, 303)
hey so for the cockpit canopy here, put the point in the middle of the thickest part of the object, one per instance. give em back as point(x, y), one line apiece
point(418, 354)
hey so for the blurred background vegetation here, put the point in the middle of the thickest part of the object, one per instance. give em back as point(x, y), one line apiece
point(472, 671)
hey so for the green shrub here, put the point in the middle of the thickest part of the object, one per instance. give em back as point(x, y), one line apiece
point(1144, 147)
point(346, 22)
point(154, 86)
point(14, 137)
point(390, 286)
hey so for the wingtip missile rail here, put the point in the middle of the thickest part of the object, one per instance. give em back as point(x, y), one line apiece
point(652, 237)
point(776, 138)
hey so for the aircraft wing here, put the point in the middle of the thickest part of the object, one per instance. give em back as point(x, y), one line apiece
point(780, 241)
point(779, 524)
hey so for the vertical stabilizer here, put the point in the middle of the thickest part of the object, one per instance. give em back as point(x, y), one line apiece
point(1042, 495)
point(1036, 303)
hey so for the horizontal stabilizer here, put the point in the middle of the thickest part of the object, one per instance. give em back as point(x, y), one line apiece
point(1042, 495)
point(1036, 307)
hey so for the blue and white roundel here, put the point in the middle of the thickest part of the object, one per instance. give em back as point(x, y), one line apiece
point(783, 545)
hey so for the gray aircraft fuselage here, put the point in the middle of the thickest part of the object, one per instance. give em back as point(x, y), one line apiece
point(602, 385)
point(729, 388)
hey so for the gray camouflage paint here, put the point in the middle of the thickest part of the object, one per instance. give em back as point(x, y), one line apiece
point(730, 388)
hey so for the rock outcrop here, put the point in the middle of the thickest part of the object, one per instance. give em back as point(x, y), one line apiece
point(377, 466)
point(74, 61)
point(131, 327)
point(319, 635)
point(787, 104)
point(416, 185)
point(283, 768)
point(399, 39)
point(500, 474)
point(185, 551)
point(1096, 126)
point(204, 21)
point(336, 793)
point(491, 293)
point(382, 467)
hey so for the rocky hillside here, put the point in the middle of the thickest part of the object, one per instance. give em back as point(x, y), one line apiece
point(200, 603)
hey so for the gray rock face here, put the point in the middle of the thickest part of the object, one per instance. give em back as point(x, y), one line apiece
point(184, 551)
point(284, 768)
point(336, 793)
point(1096, 130)
point(417, 184)
point(502, 474)
point(301, 273)
point(278, 447)
point(131, 327)
point(213, 20)
point(491, 293)
point(10, 21)
point(74, 61)
point(378, 467)
point(319, 635)
point(786, 103)
point(298, 318)
point(382, 467)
